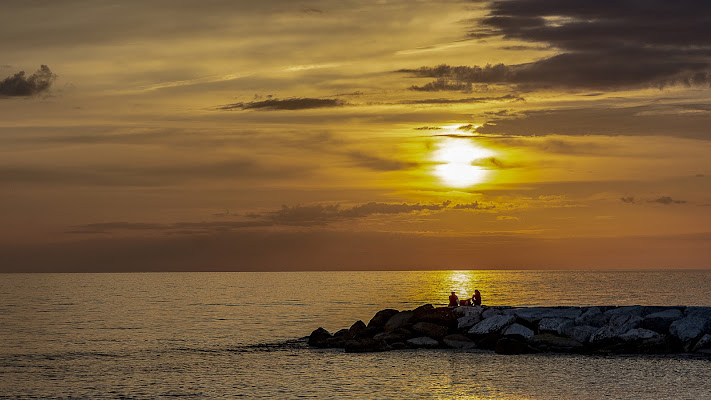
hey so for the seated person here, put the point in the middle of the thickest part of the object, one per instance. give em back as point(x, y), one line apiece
point(453, 300)
point(476, 298)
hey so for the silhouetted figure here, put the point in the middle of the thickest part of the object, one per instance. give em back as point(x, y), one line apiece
point(476, 299)
point(453, 300)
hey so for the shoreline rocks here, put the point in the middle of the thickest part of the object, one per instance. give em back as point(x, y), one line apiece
point(517, 330)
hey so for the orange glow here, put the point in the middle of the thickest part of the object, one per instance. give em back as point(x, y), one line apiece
point(455, 158)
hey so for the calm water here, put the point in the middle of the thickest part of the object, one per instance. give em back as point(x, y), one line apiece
point(198, 335)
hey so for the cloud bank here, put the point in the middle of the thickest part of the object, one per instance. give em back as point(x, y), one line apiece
point(601, 45)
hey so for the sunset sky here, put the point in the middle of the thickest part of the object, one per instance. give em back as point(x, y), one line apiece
point(391, 134)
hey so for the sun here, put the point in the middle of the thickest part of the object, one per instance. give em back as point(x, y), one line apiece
point(455, 158)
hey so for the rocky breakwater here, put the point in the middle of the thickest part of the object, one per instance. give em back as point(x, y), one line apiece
point(508, 330)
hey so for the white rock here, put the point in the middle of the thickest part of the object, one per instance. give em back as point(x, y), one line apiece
point(492, 324)
point(638, 334)
point(469, 316)
point(518, 330)
point(422, 341)
point(689, 328)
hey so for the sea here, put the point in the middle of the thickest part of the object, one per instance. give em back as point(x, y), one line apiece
point(227, 335)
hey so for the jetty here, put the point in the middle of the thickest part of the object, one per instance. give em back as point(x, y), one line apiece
point(518, 330)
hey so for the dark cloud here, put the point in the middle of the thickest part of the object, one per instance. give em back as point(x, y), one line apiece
point(628, 199)
point(681, 120)
point(468, 100)
point(474, 206)
point(606, 45)
point(428, 128)
point(294, 103)
point(443, 84)
point(666, 200)
point(22, 85)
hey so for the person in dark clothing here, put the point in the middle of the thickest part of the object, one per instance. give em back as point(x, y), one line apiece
point(476, 299)
point(453, 300)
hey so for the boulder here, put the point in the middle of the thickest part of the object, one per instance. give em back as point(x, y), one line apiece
point(343, 333)
point(491, 312)
point(699, 312)
point(619, 324)
point(440, 316)
point(468, 317)
point(398, 346)
point(492, 324)
point(423, 342)
point(582, 333)
point(532, 315)
point(368, 332)
point(592, 317)
point(640, 334)
point(553, 343)
point(399, 320)
point(703, 344)
point(458, 341)
point(511, 346)
point(356, 328)
point(365, 346)
point(398, 335)
point(660, 321)
point(519, 331)
point(690, 328)
point(553, 325)
point(462, 311)
point(318, 338)
point(382, 317)
point(430, 329)
point(635, 311)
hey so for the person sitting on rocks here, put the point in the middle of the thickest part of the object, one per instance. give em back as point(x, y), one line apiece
point(476, 298)
point(453, 300)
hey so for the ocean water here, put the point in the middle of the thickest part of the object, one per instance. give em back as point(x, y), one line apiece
point(233, 335)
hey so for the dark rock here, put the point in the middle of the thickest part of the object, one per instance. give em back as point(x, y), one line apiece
point(318, 338)
point(593, 316)
point(636, 311)
point(703, 344)
point(398, 346)
point(431, 330)
point(555, 325)
point(557, 344)
point(511, 346)
point(582, 333)
point(468, 316)
point(425, 307)
point(366, 346)
point(423, 342)
point(343, 334)
point(336, 342)
point(440, 316)
point(356, 328)
point(690, 329)
point(398, 335)
point(619, 324)
point(487, 342)
point(399, 320)
point(532, 315)
point(660, 321)
point(368, 332)
point(458, 341)
point(381, 317)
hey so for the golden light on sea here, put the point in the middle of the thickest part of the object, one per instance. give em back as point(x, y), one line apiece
point(456, 159)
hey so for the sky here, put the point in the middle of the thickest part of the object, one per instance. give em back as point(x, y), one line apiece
point(223, 135)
